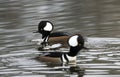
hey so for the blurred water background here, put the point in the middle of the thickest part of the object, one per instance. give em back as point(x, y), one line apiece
point(97, 20)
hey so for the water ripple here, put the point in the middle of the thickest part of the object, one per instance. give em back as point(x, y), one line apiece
point(97, 20)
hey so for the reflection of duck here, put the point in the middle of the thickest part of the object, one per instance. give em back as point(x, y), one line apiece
point(77, 70)
point(59, 38)
point(76, 43)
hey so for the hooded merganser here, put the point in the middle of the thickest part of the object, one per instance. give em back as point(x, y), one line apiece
point(45, 28)
point(75, 42)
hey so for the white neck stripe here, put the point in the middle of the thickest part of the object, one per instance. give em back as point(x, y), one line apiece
point(63, 58)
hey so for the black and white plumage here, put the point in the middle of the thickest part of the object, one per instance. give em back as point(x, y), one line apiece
point(45, 28)
point(76, 43)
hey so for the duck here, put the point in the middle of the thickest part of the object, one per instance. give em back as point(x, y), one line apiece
point(55, 39)
point(75, 42)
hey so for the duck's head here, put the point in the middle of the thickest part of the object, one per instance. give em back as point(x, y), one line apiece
point(45, 28)
point(76, 43)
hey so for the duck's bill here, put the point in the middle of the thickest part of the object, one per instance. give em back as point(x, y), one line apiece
point(35, 32)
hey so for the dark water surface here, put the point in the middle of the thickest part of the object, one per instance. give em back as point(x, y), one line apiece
point(97, 20)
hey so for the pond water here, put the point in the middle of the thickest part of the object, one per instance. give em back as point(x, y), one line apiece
point(97, 21)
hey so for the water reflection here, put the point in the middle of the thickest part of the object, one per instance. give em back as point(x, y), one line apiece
point(98, 20)
point(76, 69)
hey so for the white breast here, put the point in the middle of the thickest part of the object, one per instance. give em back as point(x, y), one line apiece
point(71, 58)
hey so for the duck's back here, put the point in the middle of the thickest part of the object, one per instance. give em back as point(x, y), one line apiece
point(59, 34)
point(59, 37)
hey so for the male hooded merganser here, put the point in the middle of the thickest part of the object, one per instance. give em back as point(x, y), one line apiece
point(75, 42)
point(45, 28)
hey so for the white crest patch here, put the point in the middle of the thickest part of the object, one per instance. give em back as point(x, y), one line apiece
point(48, 27)
point(73, 41)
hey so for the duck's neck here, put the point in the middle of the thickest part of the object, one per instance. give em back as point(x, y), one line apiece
point(74, 51)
